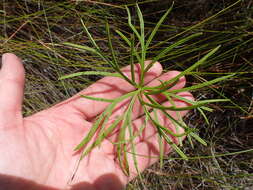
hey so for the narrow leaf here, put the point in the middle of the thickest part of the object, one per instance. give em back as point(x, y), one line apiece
point(89, 36)
point(160, 142)
point(173, 145)
point(131, 25)
point(204, 115)
point(157, 26)
point(115, 62)
point(90, 73)
point(202, 141)
point(97, 99)
point(201, 85)
point(166, 50)
point(132, 59)
point(201, 61)
point(142, 40)
point(101, 120)
point(158, 125)
point(123, 37)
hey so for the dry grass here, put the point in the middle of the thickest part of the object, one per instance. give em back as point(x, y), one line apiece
point(31, 29)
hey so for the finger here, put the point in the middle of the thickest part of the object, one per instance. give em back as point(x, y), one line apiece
point(12, 78)
point(108, 88)
point(137, 108)
point(146, 145)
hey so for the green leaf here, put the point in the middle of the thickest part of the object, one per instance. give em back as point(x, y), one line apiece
point(201, 85)
point(180, 140)
point(204, 115)
point(122, 147)
point(97, 99)
point(92, 50)
point(115, 62)
point(202, 141)
point(173, 145)
point(123, 37)
point(178, 150)
point(195, 65)
point(89, 36)
point(98, 52)
point(158, 125)
point(168, 94)
point(190, 140)
point(112, 127)
point(131, 25)
point(131, 133)
point(142, 40)
point(102, 120)
point(173, 108)
point(160, 141)
point(90, 73)
point(140, 16)
point(132, 59)
point(130, 43)
point(166, 50)
point(161, 130)
point(150, 38)
point(198, 104)
point(176, 122)
point(165, 87)
point(103, 134)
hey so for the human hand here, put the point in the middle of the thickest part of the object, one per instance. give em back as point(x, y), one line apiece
point(37, 151)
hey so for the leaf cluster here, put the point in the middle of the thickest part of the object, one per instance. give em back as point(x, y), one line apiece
point(139, 44)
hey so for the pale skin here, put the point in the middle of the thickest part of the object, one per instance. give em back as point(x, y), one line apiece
point(37, 151)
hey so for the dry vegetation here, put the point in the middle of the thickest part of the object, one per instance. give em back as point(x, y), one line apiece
point(35, 30)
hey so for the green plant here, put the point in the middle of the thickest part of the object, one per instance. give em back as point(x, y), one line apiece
point(142, 93)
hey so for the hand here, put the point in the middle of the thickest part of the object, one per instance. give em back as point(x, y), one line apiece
point(37, 151)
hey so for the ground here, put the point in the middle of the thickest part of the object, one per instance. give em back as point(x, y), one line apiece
point(35, 30)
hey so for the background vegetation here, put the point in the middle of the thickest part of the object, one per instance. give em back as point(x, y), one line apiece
point(36, 29)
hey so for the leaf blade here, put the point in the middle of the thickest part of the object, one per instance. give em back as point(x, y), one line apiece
point(86, 73)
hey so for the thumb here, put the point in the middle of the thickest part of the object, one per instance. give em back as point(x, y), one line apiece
point(12, 77)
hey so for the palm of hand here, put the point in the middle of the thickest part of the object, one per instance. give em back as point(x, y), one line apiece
point(39, 148)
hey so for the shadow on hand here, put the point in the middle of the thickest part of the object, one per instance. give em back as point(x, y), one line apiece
point(105, 182)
